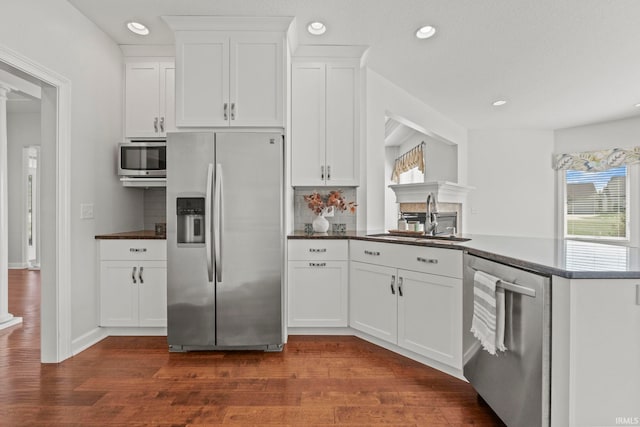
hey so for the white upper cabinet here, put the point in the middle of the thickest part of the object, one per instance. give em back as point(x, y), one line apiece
point(325, 122)
point(227, 74)
point(149, 99)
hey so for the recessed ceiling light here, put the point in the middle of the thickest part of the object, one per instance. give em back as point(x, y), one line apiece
point(499, 103)
point(316, 28)
point(425, 32)
point(138, 28)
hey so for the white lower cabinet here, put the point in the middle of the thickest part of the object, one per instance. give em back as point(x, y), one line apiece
point(373, 306)
point(430, 316)
point(418, 311)
point(318, 280)
point(133, 288)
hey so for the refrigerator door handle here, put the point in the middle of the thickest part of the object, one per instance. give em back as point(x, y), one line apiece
point(218, 222)
point(208, 231)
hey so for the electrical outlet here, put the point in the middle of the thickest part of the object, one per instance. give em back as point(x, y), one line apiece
point(86, 211)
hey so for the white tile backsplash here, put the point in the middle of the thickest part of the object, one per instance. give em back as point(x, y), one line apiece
point(155, 207)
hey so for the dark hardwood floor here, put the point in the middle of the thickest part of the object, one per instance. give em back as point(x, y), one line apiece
point(136, 381)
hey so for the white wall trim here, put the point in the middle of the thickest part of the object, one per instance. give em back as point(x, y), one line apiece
point(136, 331)
point(62, 302)
point(18, 265)
point(85, 341)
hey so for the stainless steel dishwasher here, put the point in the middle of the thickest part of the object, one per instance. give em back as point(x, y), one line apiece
point(514, 383)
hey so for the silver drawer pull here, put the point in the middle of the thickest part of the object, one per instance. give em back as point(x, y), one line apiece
point(318, 250)
point(317, 264)
point(137, 249)
point(427, 260)
point(374, 253)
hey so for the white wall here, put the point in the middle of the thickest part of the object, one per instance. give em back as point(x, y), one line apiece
point(384, 97)
point(514, 183)
point(600, 136)
point(57, 36)
point(23, 129)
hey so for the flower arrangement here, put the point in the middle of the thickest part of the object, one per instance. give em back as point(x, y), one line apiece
point(334, 199)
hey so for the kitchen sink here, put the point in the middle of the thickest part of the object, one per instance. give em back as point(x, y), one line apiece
point(421, 238)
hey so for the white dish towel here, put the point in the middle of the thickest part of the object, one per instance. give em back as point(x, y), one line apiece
point(488, 312)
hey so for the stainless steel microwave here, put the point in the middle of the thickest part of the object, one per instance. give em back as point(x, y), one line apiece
point(139, 159)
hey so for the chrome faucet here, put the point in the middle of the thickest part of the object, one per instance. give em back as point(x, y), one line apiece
point(431, 220)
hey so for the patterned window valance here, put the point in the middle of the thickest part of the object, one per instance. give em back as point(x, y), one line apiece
point(595, 161)
point(409, 160)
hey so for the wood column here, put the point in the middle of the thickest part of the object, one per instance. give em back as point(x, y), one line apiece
point(6, 319)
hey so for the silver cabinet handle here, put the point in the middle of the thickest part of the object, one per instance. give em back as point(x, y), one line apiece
point(318, 250)
point(317, 264)
point(374, 253)
point(400, 286)
point(161, 124)
point(137, 249)
point(140, 275)
point(328, 172)
point(226, 111)
point(133, 275)
point(427, 260)
point(233, 111)
point(322, 173)
point(637, 294)
point(155, 124)
point(393, 282)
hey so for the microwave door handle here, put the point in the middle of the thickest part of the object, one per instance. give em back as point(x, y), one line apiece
point(207, 225)
point(218, 222)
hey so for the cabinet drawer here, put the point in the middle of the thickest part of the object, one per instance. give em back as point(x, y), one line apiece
point(444, 262)
point(318, 249)
point(133, 249)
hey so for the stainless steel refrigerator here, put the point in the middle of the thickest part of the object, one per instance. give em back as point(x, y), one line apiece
point(224, 240)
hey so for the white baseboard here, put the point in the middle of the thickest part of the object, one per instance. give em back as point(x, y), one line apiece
point(85, 341)
point(135, 332)
point(18, 265)
point(305, 330)
point(11, 322)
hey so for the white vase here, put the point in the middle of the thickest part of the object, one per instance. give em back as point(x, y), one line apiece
point(320, 224)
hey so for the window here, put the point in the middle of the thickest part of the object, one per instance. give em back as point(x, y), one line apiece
point(597, 204)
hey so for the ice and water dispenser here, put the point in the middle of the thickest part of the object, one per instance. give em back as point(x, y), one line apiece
point(190, 213)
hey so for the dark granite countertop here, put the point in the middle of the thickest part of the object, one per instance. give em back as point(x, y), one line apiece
point(571, 259)
point(135, 235)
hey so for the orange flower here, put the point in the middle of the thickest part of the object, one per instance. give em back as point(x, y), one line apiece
point(335, 198)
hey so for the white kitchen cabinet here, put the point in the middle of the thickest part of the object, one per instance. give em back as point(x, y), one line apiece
point(133, 283)
point(418, 311)
point(430, 316)
point(373, 302)
point(149, 99)
point(596, 352)
point(318, 280)
point(230, 78)
point(325, 123)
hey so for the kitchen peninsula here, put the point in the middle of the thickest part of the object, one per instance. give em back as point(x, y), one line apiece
point(594, 299)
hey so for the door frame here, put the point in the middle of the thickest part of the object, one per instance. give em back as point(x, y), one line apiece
point(55, 322)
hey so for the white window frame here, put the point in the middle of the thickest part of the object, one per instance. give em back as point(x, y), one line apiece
point(632, 214)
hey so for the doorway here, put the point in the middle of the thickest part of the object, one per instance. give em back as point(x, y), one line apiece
point(54, 185)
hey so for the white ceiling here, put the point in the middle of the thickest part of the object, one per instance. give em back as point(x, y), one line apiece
point(559, 63)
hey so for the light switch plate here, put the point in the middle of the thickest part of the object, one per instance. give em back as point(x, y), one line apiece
point(86, 211)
